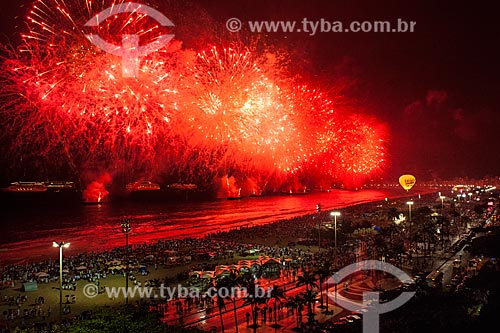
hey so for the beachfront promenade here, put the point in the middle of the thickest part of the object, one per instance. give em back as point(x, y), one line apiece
point(289, 317)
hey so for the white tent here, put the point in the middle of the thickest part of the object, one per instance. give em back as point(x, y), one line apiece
point(42, 275)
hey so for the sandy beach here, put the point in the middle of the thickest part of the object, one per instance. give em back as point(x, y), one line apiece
point(270, 238)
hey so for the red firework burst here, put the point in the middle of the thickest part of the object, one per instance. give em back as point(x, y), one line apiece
point(189, 114)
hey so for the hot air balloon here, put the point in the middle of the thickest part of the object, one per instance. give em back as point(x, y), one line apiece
point(407, 181)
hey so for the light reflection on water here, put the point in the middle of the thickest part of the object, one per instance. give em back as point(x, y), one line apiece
point(28, 233)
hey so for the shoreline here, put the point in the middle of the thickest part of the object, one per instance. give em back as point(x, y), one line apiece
point(351, 209)
point(272, 240)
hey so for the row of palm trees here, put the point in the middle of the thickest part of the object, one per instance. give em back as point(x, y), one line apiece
point(390, 240)
point(312, 279)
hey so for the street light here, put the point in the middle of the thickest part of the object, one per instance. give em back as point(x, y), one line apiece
point(442, 204)
point(318, 210)
point(60, 245)
point(409, 203)
point(126, 230)
point(442, 197)
point(335, 214)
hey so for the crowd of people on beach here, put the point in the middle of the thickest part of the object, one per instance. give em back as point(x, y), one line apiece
point(215, 247)
point(222, 246)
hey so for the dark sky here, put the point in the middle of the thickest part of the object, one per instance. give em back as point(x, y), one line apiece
point(437, 88)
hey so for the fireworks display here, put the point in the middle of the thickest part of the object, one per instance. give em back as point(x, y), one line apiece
point(235, 105)
point(195, 116)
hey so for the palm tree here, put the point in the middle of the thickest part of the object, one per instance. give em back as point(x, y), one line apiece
point(221, 301)
point(255, 298)
point(324, 272)
point(233, 280)
point(309, 297)
point(277, 295)
point(392, 213)
point(426, 232)
point(291, 304)
point(309, 280)
point(298, 301)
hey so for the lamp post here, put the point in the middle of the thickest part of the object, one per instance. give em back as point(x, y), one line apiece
point(318, 210)
point(442, 218)
point(409, 203)
point(335, 214)
point(60, 245)
point(126, 230)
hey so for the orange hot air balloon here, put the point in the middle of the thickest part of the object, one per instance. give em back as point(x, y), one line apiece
point(407, 181)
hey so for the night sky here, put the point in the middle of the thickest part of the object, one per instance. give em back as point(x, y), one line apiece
point(437, 88)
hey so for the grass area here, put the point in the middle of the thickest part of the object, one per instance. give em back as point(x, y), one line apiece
point(50, 291)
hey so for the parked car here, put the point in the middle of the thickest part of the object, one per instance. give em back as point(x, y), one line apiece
point(354, 317)
point(455, 281)
point(346, 319)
